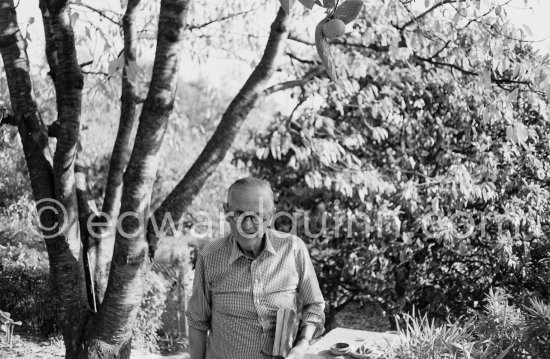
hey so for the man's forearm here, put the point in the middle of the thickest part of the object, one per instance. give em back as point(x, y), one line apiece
point(307, 331)
point(197, 343)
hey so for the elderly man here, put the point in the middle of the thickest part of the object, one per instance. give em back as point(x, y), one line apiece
point(242, 279)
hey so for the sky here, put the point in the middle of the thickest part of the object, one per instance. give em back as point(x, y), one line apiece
point(534, 14)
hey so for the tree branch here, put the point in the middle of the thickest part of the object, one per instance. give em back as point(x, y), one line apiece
point(85, 212)
point(303, 61)
point(181, 197)
point(7, 119)
point(444, 64)
point(121, 150)
point(101, 13)
point(68, 81)
point(316, 71)
point(342, 41)
point(416, 57)
point(230, 16)
point(425, 13)
point(11, 120)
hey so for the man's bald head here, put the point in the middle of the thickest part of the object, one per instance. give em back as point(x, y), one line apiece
point(249, 209)
point(252, 184)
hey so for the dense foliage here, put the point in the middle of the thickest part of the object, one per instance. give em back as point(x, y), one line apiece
point(417, 183)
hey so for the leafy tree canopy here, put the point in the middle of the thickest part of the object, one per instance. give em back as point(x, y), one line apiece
point(423, 178)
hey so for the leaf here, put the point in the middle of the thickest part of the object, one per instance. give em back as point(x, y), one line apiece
point(275, 145)
point(527, 30)
point(329, 3)
point(348, 10)
point(379, 134)
point(74, 17)
point(287, 5)
point(323, 49)
point(132, 71)
point(307, 3)
point(427, 3)
point(4, 316)
point(115, 65)
point(518, 133)
point(457, 17)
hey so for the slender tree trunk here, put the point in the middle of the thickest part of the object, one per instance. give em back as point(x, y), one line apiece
point(183, 194)
point(62, 245)
point(102, 252)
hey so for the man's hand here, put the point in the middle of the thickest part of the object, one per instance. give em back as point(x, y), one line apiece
point(298, 351)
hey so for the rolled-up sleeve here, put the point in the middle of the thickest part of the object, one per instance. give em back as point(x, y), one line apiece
point(199, 310)
point(313, 303)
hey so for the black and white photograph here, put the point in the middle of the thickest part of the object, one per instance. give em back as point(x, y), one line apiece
point(275, 179)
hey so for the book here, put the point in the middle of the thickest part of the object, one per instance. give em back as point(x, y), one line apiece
point(286, 329)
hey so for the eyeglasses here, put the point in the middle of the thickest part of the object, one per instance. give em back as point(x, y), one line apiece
point(255, 218)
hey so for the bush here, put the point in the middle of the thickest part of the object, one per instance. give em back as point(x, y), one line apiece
point(26, 294)
point(148, 321)
point(24, 278)
point(501, 331)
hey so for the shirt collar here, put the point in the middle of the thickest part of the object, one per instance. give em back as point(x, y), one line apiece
point(237, 253)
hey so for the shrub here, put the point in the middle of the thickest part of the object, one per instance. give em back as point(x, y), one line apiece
point(26, 294)
point(501, 331)
point(148, 321)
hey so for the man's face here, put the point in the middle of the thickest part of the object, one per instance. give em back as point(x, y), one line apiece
point(249, 211)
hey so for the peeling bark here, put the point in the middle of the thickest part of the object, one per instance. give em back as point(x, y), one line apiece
point(121, 152)
point(183, 194)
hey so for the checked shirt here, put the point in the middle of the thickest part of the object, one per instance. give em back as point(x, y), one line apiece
point(236, 298)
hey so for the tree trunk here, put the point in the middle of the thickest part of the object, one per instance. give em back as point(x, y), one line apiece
point(102, 252)
point(183, 194)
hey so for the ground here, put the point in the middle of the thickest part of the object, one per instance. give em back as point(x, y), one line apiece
point(33, 347)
